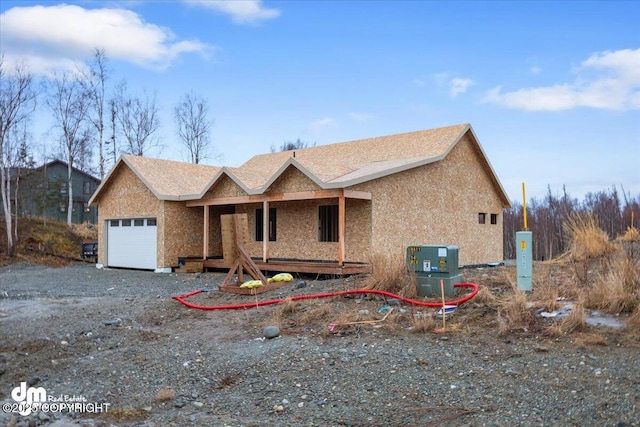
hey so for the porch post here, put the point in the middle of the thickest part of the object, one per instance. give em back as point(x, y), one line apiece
point(341, 212)
point(205, 237)
point(265, 231)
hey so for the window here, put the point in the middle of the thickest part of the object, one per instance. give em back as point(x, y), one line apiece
point(482, 218)
point(126, 223)
point(86, 187)
point(63, 188)
point(138, 222)
point(494, 219)
point(114, 223)
point(151, 222)
point(272, 225)
point(63, 208)
point(328, 223)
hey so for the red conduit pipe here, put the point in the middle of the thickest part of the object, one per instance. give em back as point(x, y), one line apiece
point(182, 298)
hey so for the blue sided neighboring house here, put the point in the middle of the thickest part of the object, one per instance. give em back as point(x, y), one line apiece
point(43, 191)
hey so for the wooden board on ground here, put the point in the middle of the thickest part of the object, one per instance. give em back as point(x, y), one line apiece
point(229, 238)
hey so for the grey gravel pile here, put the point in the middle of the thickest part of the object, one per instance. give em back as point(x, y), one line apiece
point(117, 337)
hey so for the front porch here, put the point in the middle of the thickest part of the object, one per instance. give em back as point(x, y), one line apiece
point(299, 266)
point(296, 244)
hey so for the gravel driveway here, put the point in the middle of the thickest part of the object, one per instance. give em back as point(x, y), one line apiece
point(115, 341)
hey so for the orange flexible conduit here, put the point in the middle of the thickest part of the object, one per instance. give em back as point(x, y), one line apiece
point(183, 298)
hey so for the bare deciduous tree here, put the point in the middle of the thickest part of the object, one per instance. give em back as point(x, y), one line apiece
point(17, 102)
point(546, 219)
point(194, 126)
point(291, 145)
point(94, 79)
point(137, 120)
point(69, 106)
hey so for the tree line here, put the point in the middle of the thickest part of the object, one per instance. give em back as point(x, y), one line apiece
point(93, 122)
point(614, 211)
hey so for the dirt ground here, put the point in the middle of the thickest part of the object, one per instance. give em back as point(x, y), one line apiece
point(115, 341)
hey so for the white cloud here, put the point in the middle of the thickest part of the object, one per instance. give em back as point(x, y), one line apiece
point(57, 36)
point(360, 117)
point(321, 124)
point(607, 80)
point(458, 85)
point(241, 11)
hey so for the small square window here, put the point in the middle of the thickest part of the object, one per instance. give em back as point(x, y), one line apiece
point(151, 222)
point(482, 218)
point(126, 223)
point(138, 222)
point(63, 208)
point(494, 219)
point(114, 223)
point(86, 187)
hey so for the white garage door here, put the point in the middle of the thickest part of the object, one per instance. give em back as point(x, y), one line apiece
point(132, 243)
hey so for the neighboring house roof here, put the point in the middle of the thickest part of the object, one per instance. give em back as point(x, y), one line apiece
point(48, 165)
point(166, 179)
point(330, 166)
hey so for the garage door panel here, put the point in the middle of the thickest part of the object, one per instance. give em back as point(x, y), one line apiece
point(132, 243)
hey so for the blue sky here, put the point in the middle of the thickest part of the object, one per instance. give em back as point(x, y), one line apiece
point(552, 89)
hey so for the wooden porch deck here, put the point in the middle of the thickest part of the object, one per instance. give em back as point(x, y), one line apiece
point(297, 266)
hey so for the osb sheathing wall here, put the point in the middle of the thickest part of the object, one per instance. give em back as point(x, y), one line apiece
point(126, 197)
point(297, 230)
point(300, 224)
point(183, 233)
point(215, 236)
point(297, 223)
point(225, 187)
point(439, 204)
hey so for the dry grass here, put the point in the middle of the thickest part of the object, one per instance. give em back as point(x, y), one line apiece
point(546, 291)
point(484, 296)
point(584, 339)
point(126, 415)
point(86, 231)
point(389, 273)
point(572, 323)
point(512, 311)
point(304, 313)
point(165, 395)
point(40, 240)
point(630, 242)
point(616, 290)
point(423, 322)
point(587, 242)
point(228, 380)
point(586, 239)
point(634, 321)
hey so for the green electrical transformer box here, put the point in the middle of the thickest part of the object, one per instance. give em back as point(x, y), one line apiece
point(432, 263)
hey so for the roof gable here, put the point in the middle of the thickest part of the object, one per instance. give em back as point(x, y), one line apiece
point(166, 179)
